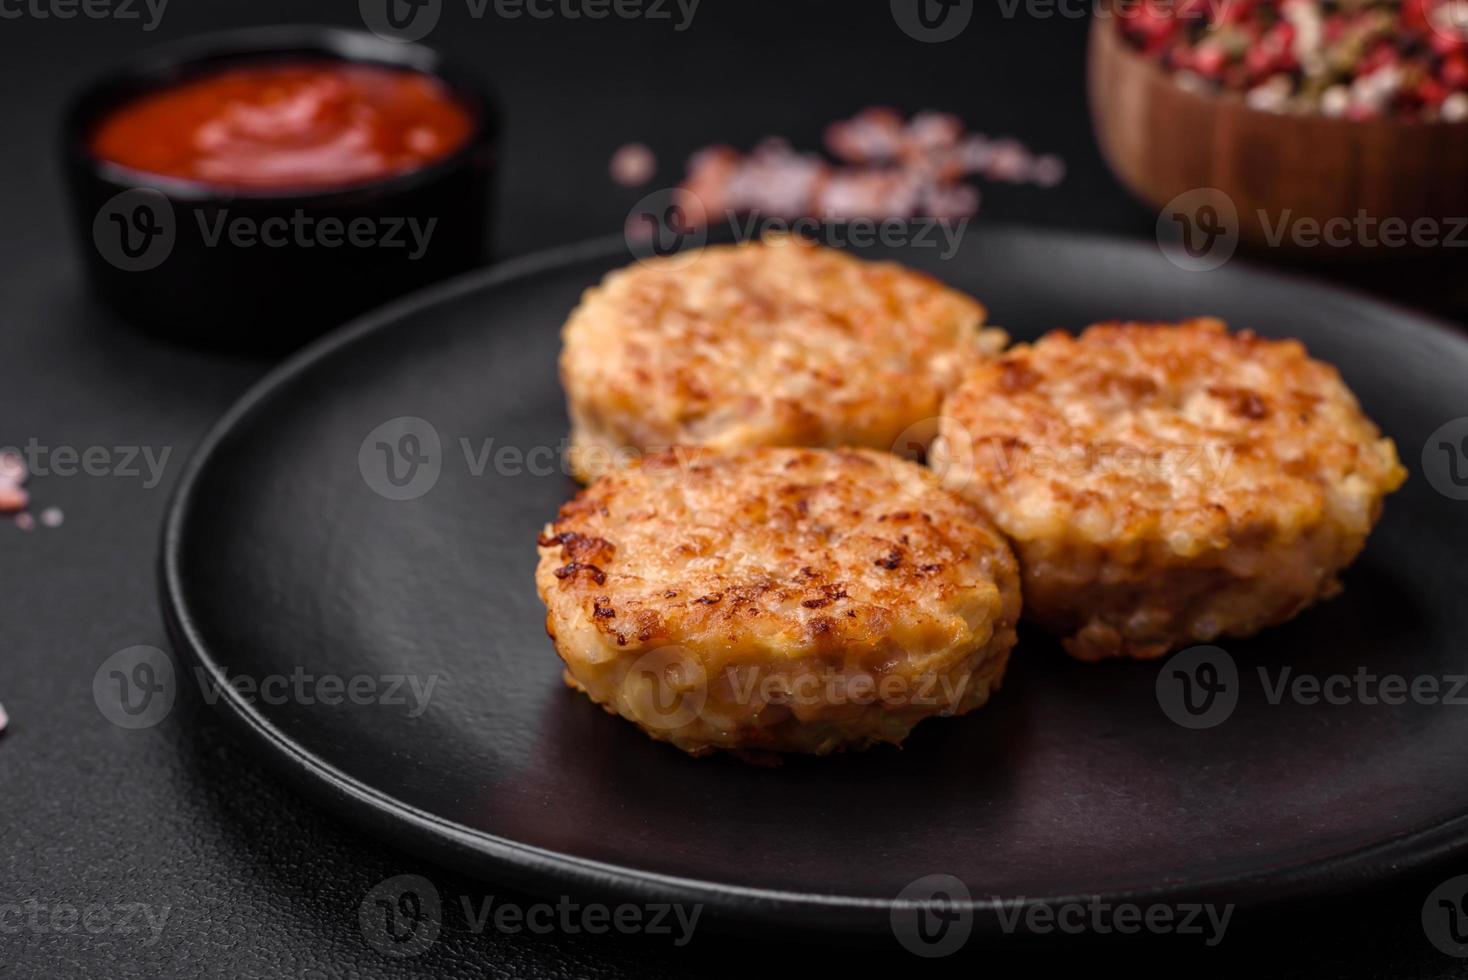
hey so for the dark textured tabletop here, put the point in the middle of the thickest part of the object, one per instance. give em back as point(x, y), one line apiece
point(170, 851)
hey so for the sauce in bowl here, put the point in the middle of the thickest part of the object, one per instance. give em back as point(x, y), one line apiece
point(284, 127)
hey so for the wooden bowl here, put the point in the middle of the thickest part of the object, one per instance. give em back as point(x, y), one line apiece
point(1280, 170)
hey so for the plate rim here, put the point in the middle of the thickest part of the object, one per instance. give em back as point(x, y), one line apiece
point(533, 868)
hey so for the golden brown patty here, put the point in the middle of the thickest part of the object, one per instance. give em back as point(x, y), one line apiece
point(793, 600)
point(780, 343)
point(1167, 484)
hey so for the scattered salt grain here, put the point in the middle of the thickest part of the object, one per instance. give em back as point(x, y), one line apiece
point(1335, 100)
point(633, 164)
point(1047, 170)
point(949, 202)
point(871, 136)
point(4, 719)
point(886, 167)
point(12, 498)
point(12, 468)
point(1009, 162)
point(24, 521)
point(1271, 96)
point(52, 517)
point(934, 131)
point(974, 153)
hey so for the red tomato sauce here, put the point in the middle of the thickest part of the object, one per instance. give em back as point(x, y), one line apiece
point(287, 126)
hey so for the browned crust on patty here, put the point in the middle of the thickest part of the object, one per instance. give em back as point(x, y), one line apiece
point(1165, 484)
point(776, 343)
point(785, 564)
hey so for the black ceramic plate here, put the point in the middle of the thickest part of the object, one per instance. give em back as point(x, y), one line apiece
point(284, 556)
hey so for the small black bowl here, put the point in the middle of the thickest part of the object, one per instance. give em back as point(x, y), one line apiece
point(217, 266)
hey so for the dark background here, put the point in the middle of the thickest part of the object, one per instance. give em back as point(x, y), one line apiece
point(258, 882)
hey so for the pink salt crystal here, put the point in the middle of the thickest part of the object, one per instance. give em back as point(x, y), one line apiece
point(776, 181)
point(1008, 161)
point(877, 194)
point(932, 131)
point(895, 168)
point(12, 498)
point(942, 165)
point(874, 134)
point(12, 469)
point(974, 153)
point(633, 165)
point(710, 173)
point(52, 517)
point(1047, 170)
point(4, 719)
point(949, 202)
point(24, 521)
